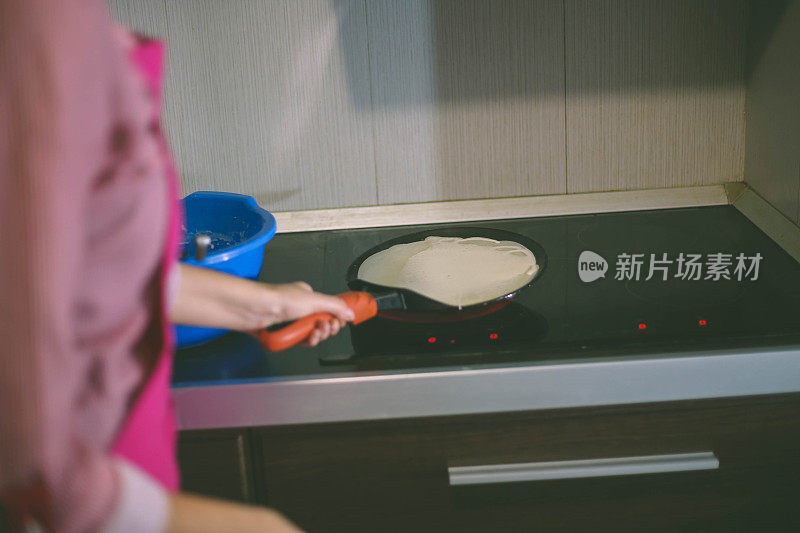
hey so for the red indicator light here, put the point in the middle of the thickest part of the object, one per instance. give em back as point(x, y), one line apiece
point(452, 341)
point(431, 340)
point(642, 325)
point(493, 336)
point(702, 322)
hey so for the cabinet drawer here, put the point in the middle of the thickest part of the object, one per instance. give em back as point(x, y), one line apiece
point(398, 475)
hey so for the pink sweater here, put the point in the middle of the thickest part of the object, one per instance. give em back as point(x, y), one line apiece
point(83, 212)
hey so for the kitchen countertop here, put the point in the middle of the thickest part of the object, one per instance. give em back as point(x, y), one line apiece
point(232, 382)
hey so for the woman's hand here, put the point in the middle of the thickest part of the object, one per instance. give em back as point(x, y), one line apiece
point(299, 300)
point(212, 299)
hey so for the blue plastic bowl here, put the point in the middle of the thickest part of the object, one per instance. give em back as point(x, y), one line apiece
point(239, 231)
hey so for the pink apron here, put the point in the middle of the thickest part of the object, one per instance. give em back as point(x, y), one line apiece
point(148, 435)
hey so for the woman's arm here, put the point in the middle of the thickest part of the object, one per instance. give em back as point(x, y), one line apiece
point(197, 514)
point(147, 506)
point(213, 299)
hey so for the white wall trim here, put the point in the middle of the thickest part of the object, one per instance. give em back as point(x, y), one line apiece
point(500, 208)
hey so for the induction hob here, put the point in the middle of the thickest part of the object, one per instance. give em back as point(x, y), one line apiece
point(616, 285)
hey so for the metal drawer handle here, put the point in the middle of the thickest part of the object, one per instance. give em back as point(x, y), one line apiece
point(585, 468)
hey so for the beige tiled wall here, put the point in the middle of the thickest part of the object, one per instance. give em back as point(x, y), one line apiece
point(773, 105)
point(468, 99)
point(654, 93)
point(330, 103)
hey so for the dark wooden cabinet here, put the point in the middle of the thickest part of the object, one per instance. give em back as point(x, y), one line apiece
point(217, 463)
point(393, 475)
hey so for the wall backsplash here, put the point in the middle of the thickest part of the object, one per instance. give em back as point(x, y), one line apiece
point(773, 104)
point(336, 103)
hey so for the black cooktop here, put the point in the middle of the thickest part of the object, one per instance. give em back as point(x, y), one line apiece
point(616, 284)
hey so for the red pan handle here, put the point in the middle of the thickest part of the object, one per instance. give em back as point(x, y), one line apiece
point(363, 305)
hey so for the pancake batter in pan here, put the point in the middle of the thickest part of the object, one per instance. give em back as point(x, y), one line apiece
point(452, 270)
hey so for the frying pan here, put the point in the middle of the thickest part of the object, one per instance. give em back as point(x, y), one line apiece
point(369, 299)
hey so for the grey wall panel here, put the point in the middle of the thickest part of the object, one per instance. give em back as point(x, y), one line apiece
point(467, 98)
point(145, 16)
point(655, 93)
point(772, 165)
point(332, 103)
point(261, 100)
